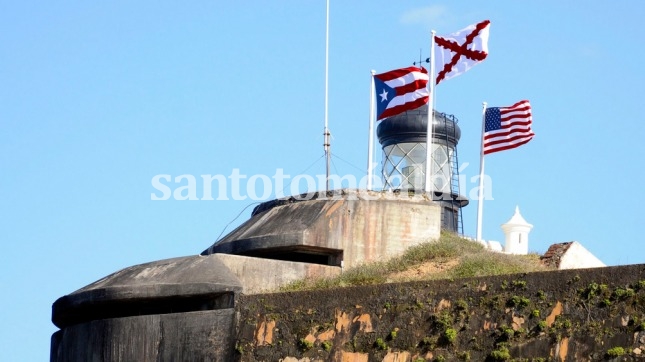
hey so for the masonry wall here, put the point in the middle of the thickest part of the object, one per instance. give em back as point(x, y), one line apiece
point(573, 315)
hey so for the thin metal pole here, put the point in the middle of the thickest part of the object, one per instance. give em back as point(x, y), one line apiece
point(430, 127)
point(327, 144)
point(370, 140)
point(480, 202)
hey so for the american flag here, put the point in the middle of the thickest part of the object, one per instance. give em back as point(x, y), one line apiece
point(507, 127)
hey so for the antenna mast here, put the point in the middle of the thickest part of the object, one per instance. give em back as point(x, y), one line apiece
point(326, 143)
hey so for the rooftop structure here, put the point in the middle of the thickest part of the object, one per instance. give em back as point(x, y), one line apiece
point(517, 231)
point(403, 139)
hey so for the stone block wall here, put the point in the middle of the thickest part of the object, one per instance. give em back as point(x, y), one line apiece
point(570, 315)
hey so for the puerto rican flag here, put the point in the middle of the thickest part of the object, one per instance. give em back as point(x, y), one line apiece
point(400, 90)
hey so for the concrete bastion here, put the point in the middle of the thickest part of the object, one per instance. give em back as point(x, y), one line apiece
point(210, 307)
point(568, 315)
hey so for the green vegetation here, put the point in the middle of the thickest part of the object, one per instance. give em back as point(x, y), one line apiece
point(541, 295)
point(380, 344)
point(641, 284)
point(305, 345)
point(541, 326)
point(450, 335)
point(327, 346)
point(518, 302)
point(505, 332)
point(621, 293)
point(443, 320)
point(615, 352)
point(594, 289)
point(469, 257)
point(486, 263)
point(561, 323)
point(500, 354)
point(239, 349)
point(429, 342)
point(461, 305)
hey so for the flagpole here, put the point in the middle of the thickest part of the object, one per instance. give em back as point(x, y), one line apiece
point(326, 143)
point(480, 202)
point(370, 142)
point(430, 127)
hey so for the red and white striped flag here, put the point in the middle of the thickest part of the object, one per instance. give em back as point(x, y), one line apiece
point(507, 127)
point(400, 90)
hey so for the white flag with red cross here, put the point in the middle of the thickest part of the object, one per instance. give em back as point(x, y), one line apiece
point(458, 52)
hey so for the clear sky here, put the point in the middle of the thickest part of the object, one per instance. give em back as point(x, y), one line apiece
point(96, 98)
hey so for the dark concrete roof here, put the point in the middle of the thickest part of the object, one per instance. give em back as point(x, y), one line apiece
point(196, 277)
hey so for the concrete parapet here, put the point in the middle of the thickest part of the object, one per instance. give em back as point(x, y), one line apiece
point(351, 226)
point(260, 275)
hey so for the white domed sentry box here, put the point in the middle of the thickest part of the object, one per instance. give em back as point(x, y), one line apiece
point(517, 234)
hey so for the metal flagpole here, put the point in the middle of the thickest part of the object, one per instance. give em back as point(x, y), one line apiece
point(430, 127)
point(370, 146)
point(480, 202)
point(326, 131)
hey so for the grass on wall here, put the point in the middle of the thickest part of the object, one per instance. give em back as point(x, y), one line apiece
point(450, 257)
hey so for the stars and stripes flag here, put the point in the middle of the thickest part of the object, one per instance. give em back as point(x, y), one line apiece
point(458, 52)
point(507, 127)
point(400, 90)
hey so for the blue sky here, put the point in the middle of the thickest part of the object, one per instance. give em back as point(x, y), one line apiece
point(97, 99)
